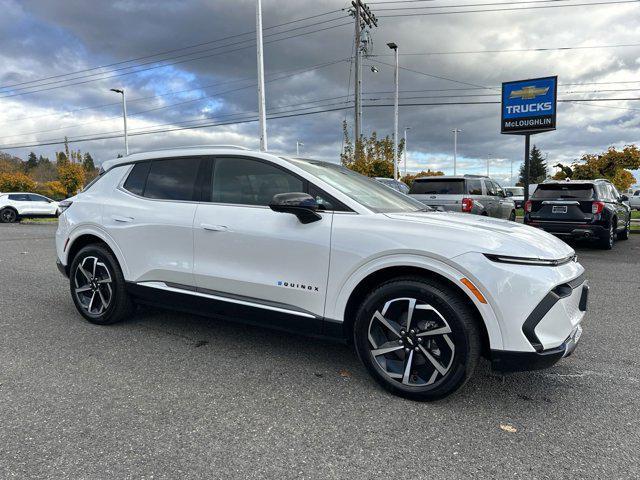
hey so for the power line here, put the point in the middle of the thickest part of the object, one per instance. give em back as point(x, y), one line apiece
point(463, 5)
point(507, 9)
point(515, 50)
point(170, 51)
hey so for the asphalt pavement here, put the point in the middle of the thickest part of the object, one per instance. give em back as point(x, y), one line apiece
point(170, 395)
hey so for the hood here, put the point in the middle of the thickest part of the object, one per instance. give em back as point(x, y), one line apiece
point(463, 231)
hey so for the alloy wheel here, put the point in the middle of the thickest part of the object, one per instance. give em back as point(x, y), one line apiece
point(8, 216)
point(612, 234)
point(409, 341)
point(93, 286)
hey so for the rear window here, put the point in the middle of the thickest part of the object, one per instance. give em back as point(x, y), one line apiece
point(438, 187)
point(579, 191)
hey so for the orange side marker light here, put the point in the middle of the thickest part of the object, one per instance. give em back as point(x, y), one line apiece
point(467, 283)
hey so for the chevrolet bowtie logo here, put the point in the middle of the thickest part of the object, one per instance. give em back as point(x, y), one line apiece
point(528, 93)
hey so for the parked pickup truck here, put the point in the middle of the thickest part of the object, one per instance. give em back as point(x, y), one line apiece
point(634, 200)
point(468, 194)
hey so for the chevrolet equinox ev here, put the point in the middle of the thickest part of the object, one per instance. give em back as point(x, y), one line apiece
point(313, 247)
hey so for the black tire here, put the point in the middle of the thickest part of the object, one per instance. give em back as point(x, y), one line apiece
point(457, 364)
point(119, 305)
point(624, 235)
point(512, 217)
point(8, 215)
point(606, 242)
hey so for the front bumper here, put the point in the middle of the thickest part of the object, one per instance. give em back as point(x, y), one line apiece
point(503, 361)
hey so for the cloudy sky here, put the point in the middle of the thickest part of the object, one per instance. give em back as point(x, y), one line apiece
point(192, 63)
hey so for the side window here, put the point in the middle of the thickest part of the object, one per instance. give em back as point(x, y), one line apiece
point(474, 187)
point(499, 190)
point(37, 198)
point(137, 178)
point(326, 201)
point(614, 192)
point(491, 189)
point(172, 179)
point(636, 193)
point(19, 198)
point(250, 182)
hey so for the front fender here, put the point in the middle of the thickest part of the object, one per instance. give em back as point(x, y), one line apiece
point(337, 308)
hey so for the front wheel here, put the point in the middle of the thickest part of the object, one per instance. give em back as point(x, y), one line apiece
point(98, 286)
point(417, 338)
point(8, 215)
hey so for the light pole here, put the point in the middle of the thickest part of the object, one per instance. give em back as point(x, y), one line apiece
point(124, 115)
point(511, 176)
point(455, 150)
point(405, 149)
point(394, 47)
point(261, 102)
point(488, 160)
point(298, 145)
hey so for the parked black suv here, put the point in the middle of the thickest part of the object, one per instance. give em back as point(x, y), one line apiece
point(584, 209)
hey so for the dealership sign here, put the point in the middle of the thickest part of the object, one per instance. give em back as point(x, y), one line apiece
point(529, 106)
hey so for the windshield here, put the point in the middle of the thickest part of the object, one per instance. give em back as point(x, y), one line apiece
point(438, 187)
point(364, 190)
point(516, 191)
point(558, 191)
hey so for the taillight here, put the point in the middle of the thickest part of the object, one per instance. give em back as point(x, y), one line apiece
point(597, 207)
point(467, 204)
point(527, 206)
point(63, 205)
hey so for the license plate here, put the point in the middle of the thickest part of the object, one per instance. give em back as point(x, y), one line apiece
point(559, 209)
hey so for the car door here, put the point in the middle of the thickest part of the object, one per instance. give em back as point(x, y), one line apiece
point(246, 252)
point(623, 212)
point(492, 205)
point(150, 216)
point(22, 203)
point(505, 204)
point(40, 205)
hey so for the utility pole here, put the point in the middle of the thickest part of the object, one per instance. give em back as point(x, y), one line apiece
point(405, 149)
point(363, 18)
point(455, 150)
point(394, 47)
point(488, 160)
point(298, 145)
point(511, 176)
point(261, 103)
point(124, 115)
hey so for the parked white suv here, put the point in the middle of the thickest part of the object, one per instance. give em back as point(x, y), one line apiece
point(310, 246)
point(17, 205)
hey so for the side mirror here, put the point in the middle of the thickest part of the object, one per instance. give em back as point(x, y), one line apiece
point(624, 198)
point(302, 205)
point(509, 194)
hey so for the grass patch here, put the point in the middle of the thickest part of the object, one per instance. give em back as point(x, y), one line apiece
point(635, 214)
point(39, 220)
point(519, 212)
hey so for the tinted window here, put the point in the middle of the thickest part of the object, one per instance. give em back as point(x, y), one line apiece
point(172, 179)
point(250, 182)
point(474, 187)
point(555, 191)
point(636, 193)
point(491, 188)
point(37, 198)
point(437, 187)
point(137, 178)
point(19, 198)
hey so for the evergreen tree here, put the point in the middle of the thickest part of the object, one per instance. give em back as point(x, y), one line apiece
point(43, 160)
point(32, 161)
point(537, 167)
point(87, 162)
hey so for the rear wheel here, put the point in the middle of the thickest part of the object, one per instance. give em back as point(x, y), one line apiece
point(98, 286)
point(606, 242)
point(8, 215)
point(624, 235)
point(417, 338)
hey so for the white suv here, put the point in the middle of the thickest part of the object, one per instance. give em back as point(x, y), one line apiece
point(310, 246)
point(17, 205)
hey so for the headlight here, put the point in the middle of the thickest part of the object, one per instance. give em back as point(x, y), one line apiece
point(531, 261)
point(64, 204)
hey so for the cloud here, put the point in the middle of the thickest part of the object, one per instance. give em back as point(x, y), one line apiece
point(44, 39)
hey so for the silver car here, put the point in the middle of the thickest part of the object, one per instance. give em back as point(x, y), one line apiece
point(469, 194)
point(634, 200)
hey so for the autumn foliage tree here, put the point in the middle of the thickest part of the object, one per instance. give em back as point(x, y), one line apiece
point(409, 178)
point(614, 165)
point(16, 182)
point(71, 176)
point(370, 156)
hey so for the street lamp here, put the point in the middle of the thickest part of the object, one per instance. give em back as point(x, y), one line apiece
point(455, 149)
point(405, 149)
point(124, 115)
point(394, 47)
point(298, 145)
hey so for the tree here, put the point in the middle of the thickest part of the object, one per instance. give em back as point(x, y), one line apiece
point(71, 176)
point(614, 165)
point(61, 158)
point(409, 178)
point(87, 162)
point(32, 162)
point(16, 182)
point(537, 167)
point(54, 190)
point(371, 156)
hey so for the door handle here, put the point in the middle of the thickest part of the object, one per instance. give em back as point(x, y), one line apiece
point(122, 219)
point(214, 228)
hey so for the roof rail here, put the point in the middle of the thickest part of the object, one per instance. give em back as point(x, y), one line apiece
point(235, 147)
point(469, 175)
